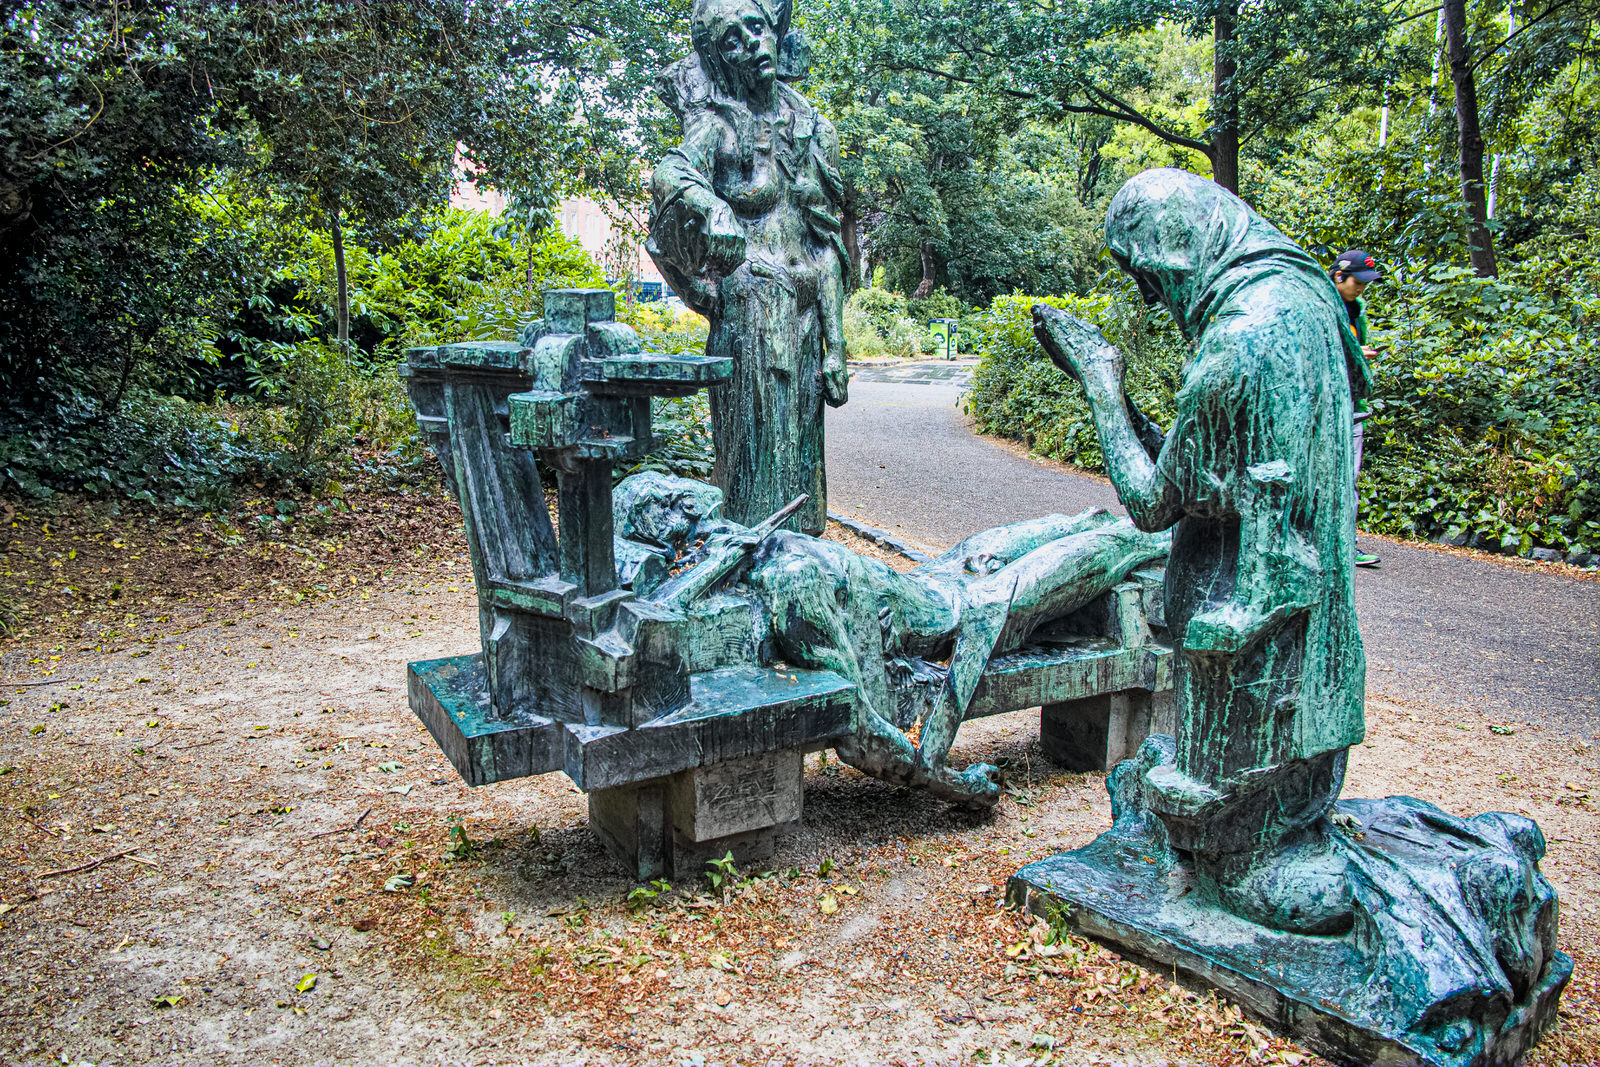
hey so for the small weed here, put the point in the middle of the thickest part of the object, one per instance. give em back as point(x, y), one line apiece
point(461, 846)
point(643, 896)
point(723, 875)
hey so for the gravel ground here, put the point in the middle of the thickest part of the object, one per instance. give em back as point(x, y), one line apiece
point(284, 879)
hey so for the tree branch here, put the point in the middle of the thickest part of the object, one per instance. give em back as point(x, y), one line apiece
point(1128, 113)
point(1520, 30)
point(1124, 112)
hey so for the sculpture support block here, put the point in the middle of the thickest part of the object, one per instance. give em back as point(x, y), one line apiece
point(1098, 732)
point(1450, 960)
point(670, 827)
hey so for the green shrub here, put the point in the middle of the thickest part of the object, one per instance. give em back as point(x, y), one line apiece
point(938, 305)
point(152, 448)
point(877, 326)
point(1486, 418)
point(1471, 491)
point(295, 412)
point(664, 330)
point(461, 280)
point(1486, 409)
point(1017, 392)
point(682, 429)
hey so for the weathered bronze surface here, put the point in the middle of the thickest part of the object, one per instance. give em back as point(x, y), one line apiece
point(914, 645)
point(745, 228)
point(1229, 856)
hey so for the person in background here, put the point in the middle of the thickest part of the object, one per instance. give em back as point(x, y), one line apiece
point(1353, 271)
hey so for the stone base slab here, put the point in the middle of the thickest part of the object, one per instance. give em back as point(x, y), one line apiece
point(1324, 992)
point(733, 713)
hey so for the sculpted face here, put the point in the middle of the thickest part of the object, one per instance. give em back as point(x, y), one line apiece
point(663, 510)
point(745, 42)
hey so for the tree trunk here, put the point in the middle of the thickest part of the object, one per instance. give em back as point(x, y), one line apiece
point(342, 300)
point(850, 231)
point(1480, 242)
point(1225, 99)
point(929, 269)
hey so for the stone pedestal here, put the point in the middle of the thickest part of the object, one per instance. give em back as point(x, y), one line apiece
point(1449, 959)
point(670, 827)
point(1098, 732)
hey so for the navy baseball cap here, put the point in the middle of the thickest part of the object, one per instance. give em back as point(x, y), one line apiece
point(1357, 264)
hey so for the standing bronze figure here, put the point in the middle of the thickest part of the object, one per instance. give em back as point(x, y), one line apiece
point(745, 228)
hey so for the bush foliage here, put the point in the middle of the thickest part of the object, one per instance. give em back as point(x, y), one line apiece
point(1017, 392)
point(261, 396)
point(1486, 416)
point(1486, 422)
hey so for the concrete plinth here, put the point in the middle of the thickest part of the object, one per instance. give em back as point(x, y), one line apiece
point(1098, 732)
point(670, 827)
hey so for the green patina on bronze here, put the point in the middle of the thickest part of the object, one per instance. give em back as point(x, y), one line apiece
point(947, 621)
point(745, 228)
point(1373, 930)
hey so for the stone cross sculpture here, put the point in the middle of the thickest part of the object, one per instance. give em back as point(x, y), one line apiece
point(745, 228)
point(1374, 931)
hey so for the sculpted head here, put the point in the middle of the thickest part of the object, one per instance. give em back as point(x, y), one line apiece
point(1179, 235)
point(663, 510)
point(738, 41)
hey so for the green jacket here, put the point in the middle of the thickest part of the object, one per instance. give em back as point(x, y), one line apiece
point(1360, 368)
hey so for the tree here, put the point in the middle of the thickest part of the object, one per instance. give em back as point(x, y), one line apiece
point(1275, 65)
point(112, 113)
point(102, 119)
point(948, 183)
point(359, 110)
point(1480, 242)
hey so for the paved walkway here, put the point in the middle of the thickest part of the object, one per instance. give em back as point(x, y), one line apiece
point(1487, 639)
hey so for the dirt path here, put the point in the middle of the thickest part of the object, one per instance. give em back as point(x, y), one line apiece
point(287, 817)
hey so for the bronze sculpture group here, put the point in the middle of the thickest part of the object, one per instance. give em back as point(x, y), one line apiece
point(832, 609)
point(687, 646)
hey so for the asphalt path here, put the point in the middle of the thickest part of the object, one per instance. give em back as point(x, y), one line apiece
point(1494, 640)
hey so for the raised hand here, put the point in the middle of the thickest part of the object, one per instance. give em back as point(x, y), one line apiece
point(1080, 349)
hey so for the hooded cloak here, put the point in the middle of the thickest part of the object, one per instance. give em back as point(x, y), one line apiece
point(1260, 457)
